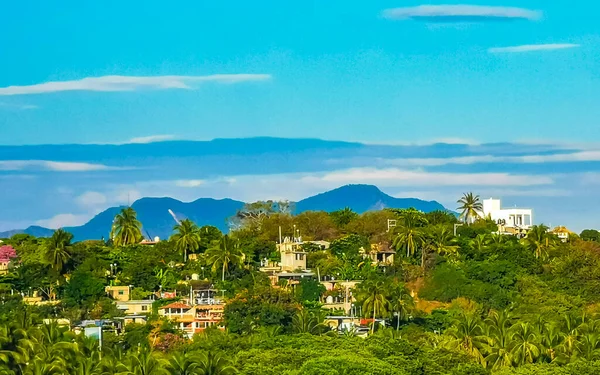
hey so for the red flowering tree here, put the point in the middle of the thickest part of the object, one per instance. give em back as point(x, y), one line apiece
point(7, 253)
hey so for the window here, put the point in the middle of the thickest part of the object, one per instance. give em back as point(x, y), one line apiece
point(121, 292)
point(144, 308)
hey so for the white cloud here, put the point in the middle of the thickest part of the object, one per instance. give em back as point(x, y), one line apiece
point(400, 177)
point(580, 156)
point(189, 183)
point(91, 200)
point(129, 83)
point(152, 139)
point(460, 13)
point(57, 166)
point(64, 220)
point(532, 48)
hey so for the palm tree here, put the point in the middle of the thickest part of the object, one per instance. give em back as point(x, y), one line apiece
point(440, 240)
point(526, 348)
point(187, 237)
point(468, 336)
point(408, 238)
point(401, 302)
point(127, 229)
point(214, 364)
point(539, 241)
point(470, 207)
point(376, 299)
point(226, 252)
point(145, 363)
point(183, 364)
point(306, 322)
point(499, 341)
point(57, 249)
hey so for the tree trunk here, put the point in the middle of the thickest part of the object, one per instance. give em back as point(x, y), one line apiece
point(185, 255)
point(398, 321)
point(223, 276)
point(373, 325)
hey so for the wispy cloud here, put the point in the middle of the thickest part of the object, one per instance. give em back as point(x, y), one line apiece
point(152, 139)
point(402, 177)
point(130, 83)
point(64, 220)
point(461, 13)
point(532, 48)
point(581, 156)
point(17, 106)
point(57, 166)
point(189, 183)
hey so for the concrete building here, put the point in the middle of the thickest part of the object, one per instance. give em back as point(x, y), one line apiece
point(205, 311)
point(509, 220)
point(118, 293)
point(138, 307)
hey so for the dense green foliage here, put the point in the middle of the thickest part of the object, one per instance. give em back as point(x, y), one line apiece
point(471, 303)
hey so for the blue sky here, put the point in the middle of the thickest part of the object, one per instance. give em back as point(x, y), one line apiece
point(380, 72)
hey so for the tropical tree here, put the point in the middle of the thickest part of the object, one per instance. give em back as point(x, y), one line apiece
point(539, 241)
point(127, 229)
point(526, 347)
point(183, 364)
point(440, 240)
point(214, 364)
point(401, 302)
point(224, 254)
point(467, 335)
point(481, 242)
point(498, 338)
point(186, 238)
point(57, 249)
point(376, 300)
point(470, 207)
point(306, 321)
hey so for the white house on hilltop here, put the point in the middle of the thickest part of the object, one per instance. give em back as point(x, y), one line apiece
point(512, 220)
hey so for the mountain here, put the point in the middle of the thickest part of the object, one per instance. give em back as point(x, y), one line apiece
point(33, 230)
point(157, 221)
point(361, 198)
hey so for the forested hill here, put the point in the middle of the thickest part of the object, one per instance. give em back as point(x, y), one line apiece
point(156, 220)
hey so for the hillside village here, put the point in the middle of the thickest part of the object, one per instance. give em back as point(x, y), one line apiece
point(316, 273)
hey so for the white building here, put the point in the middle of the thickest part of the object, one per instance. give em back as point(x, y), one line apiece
point(512, 219)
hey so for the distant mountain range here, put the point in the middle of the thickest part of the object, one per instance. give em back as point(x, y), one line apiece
point(156, 220)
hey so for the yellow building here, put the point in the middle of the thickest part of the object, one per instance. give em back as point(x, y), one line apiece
point(119, 293)
point(135, 307)
point(562, 233)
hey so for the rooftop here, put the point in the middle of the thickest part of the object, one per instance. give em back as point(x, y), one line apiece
point(176, 305)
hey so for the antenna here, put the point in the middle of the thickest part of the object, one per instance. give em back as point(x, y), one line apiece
point(174, 216)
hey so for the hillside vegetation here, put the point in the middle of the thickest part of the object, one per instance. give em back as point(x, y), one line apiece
point(471, 303)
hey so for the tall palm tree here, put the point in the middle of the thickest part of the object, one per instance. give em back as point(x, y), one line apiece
point(57, 249)
point(470, 207)
point(410, 233)
point(441, 240)
point(401, 302)
point(376, 299)
point(226, 252)
point(186, 237)
point(127, 229)
point(539, 241)
point(409, 239)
